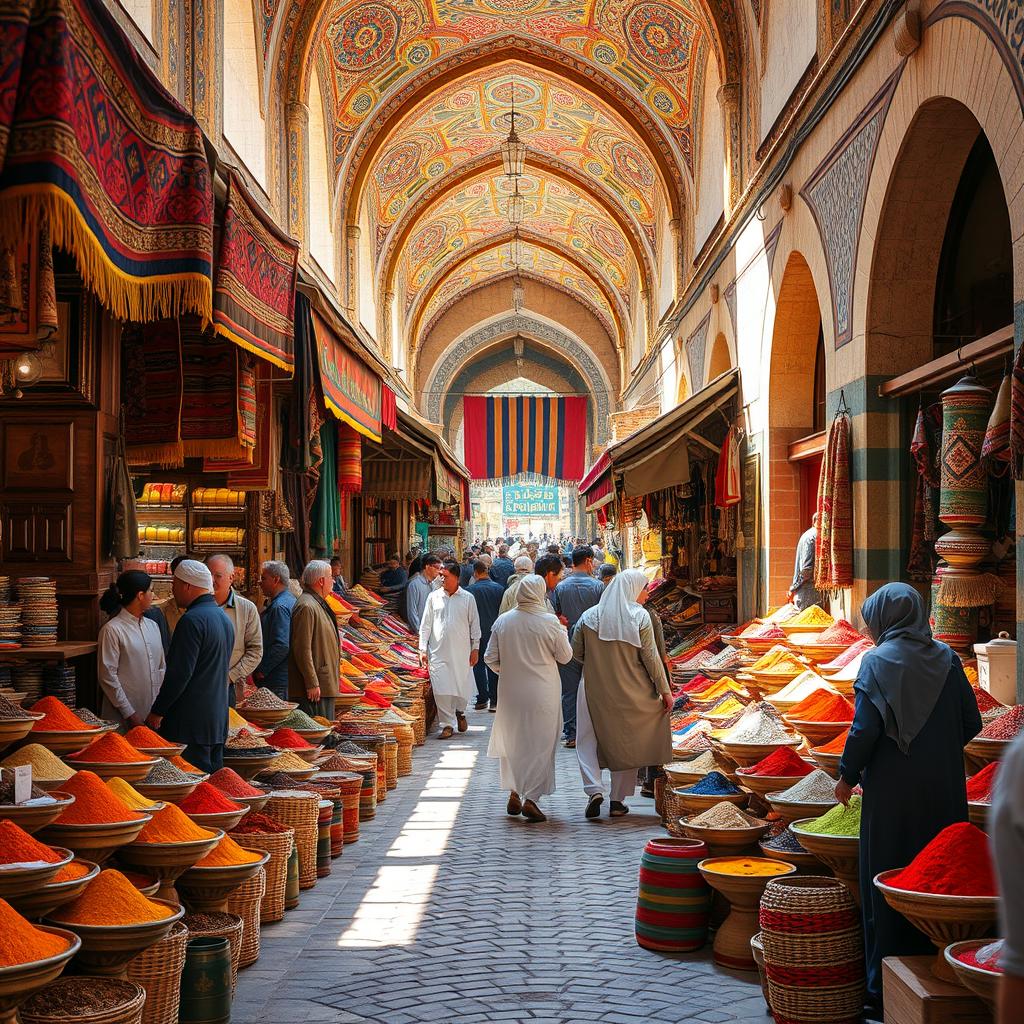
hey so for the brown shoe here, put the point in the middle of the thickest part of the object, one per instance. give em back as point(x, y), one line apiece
point(515, 806)
point(446, 733)
point(460, 719)
point(531, 812)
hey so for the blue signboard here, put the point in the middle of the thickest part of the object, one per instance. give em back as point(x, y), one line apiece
point(530, 500)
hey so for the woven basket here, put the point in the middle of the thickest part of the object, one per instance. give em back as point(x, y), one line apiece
point(673, 901)
point(278, 845)
point(323, 841)
point(36, 1009)
point(813, 950)
point(351, 792)
point(299, 813)
point(406, 741)
point(158, 970)
point(331, 791)
point(218, 925)
point(245, 902)
point(659, 797)
point(391, 762)
point(375, 744)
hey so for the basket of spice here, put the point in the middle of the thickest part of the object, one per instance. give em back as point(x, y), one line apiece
point(782, 768)
point(980, 788)
point(59, 729)
point(65, 886)
point(990, 744)
point(834, 838)
point(289, 740)
point(724, 828)
point(248, 754)
point(115, 922)
point(31, 957)
point(34, 813)
point(298, 769)
point(158, 970)
point(208, 806)
point(308, 728)
point(167, 782)
point(85, 1001)
point(714, 788)
point(111, 755)
point(208, 884)
point(976, 964)
point(264, 707)
point(821, 717)
point(260, 832)
point(236, 789)
point(48, 770)
point(25, 863)
point(948, 890)
point(96, 822)
point(812, 795)
point(149, 742)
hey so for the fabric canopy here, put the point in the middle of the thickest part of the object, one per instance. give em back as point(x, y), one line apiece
point(352, 391)
point(596, 487)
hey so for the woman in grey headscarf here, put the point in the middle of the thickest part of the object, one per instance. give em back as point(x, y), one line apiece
point(915, 712)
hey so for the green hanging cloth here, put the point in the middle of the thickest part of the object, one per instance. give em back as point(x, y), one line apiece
point(326, 515)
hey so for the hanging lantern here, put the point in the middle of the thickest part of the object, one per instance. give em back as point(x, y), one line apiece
point(513, 153)
point(27, 368)
point(514, 208)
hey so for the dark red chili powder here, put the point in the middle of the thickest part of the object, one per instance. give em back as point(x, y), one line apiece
point(1006, 726)
point(783, 762)
point(207, 799)
point(986, 702)
point(231, 783)
point(256, 822)
point(289, 739)
point(981, 786)
point(955, 863)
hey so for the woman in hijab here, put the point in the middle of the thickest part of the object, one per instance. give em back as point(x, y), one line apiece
point(914, 713)
point(624, 699)
point(527, 644)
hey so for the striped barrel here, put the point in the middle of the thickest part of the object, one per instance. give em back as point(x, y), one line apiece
point(323, 839)
point(813, 951)
point(673, 901)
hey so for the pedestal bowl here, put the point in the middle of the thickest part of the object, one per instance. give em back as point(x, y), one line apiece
point(94, 842)
point(169, 792)
point(746, 755)
point(817, 733)
point(226, 820)
point(984, 984)
point(840, 854)
point(167, 861)
point(248, 767)
point(208, 889)
point(724, 842)
point(43, 901)
point(130, 771)
point(33, 816)
point(62, 741)
point(26, 878)
point(14, 729)
point(790, 811)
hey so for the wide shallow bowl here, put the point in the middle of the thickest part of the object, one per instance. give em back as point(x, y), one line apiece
point(984, 984)
point(167, 861)
point(17, 983)
point(169, 750)
point(254, 803)
point(817, 733)
point(42, 901)
point(724, 842)
point(14, 729)
point(28, 878)
point(298, 775)
point(314, 736)
point(208, 889)
point(169, 792)
point(977, 814)
point(771, 682)
point(130, 771)
point(248, 767)
point(746, 755)
point(790, 811)
point(980, 752)
point(827, 762)
point(944, 919)
point(33, 817)
point(309, 754)
point(60, 741)
point(267, 716)
point(694, 803)
point(106, 949)
point(226, 820)
point(820, 654)
point(801, 633)
point(94, 842)
point(803, 861)
point(840, 854)
point(764, 784)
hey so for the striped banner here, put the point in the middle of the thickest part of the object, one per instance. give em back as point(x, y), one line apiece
point(511, 437)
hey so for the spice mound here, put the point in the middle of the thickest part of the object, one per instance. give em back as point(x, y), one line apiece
point(955, 863)
point(111, 900)
point(840, 632)
point(816, 788)
point(70, 872)
point(10, 710)
point(822, 706)
point(46, 765)
point(986, 702)
point(836, 746)
point(724, 815)
point(57, 717)
point(812, 616)
point(109, 749)
point(230, 783)
point(758, 728)
point(186, 766)
point(289, 762)
point(981, 786)
point(1006, 726)
point(256, 823)
point(783, 762)
point(985, 958)
point(784, 841)
point(227, 853)
point(94, 803)
point(289, 739)
point(172, 825)
point(298, 719)
point(207, 799)
point(713, 784)
point(163, 773)
point(23, 943)
point(142, 736)
point(748, 867)
point(803, 686)
point(263, 699)
point(840, 821)
point(129, 794)
point(18, 847)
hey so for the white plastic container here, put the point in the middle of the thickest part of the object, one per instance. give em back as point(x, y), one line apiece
point(997, 668)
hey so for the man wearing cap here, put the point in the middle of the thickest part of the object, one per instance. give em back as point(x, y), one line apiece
point(192, 706)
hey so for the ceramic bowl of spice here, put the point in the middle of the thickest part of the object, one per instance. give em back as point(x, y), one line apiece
point(976, 964)
point(48, 770)
point(782, 768)
point(990, 744)
point(209, 807)
point(30, 957)
point(69, 882)
point(265, 708)
point(724, 829)
point(207, 885)
point(784, 845)
point(112, 755)
point(812, 795)
point(152, 743)
point(712, 789)
point(168, 783)
point(307, 727)
point(34, 814)
point(834, 838)
point(26, 864)
point(236, 789)
point(15, 723)
point(60, 729)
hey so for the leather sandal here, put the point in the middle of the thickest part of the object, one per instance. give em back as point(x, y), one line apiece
point(531, 812)
point(617, 809)
point(446, 733)
point(594, 806)
point(515, 806)
point(462, 721)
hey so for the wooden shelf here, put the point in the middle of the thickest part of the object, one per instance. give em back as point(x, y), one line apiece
point(55, 652)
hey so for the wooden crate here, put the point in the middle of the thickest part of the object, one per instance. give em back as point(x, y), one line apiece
point(913, 995)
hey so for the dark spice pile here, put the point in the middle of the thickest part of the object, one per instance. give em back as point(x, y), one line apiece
point(78, 997)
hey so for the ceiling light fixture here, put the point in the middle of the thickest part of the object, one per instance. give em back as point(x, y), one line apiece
point(514, 207)
point(513, 149)
point(518, 294)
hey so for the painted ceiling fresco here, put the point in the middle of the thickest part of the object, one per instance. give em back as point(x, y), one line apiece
point(554, 210)
point(534, 261)
point(470, 118)
point(655, 51)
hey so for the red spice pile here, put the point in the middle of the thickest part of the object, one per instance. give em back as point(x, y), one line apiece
point(980, 787)
point(696, 684)
point(207, 799)
point(254, 823)
point(822, 706)
point(58, 717)
point(840, 632)
point(986, 957)
point(782, 762)
point(143, 736)
point(231, 783)
point(109, 749)
point(836, 746)
point(1006, 726)
point(986, 702)
point(955, 863)
point(850, 654)
point(18, 847)
point(770, 632)
point(289, 739)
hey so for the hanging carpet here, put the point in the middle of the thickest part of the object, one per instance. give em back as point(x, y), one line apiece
point(151, 390)
point(350, 460)
point(833, 549)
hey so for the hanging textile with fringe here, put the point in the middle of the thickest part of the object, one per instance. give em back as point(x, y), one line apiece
point(93, 143)
point(28, 292)
point(727, 475)
point(350, 460)
point(924, 447)
point(833, 548)
point(151, 390)
point(1017, 415)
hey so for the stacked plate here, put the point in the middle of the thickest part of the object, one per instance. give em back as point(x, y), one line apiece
point(38, 596)
point(10, 626)
point(28, 679)
point(59, 682)
point(5, 589)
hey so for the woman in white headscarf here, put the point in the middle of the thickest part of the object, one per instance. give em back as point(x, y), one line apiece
point(527, 644)
point(622, 721)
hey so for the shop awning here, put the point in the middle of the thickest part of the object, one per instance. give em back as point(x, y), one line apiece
point(656, 456)
point(596, 487)
point(352, 391)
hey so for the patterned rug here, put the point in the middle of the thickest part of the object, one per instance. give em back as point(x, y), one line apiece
point(151, 390)
point(28, 294)
point(350, 460)
point(254, 287)
point(833, 554)
point(91, 141)
point(210, 421)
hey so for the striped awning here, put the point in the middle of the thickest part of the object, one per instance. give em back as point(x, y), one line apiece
point(596, 487)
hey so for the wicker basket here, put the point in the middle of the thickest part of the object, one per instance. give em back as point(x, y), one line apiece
point(351, 792)
point(375, 745)
point(813, 950)
point(245, 902)
point(128, 1010)
point(406, 741)
point(278, 845)
point(323, 841)
point(391, 762)
point(217, 925)
point(300, 813)
point(158, 970)
point(660, 788)
point(331, 791)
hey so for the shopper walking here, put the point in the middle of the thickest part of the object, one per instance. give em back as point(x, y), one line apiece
point(622, 709)
point(449, 648)
point(914, 713)
point(130, 663)
point(524, 568)
point(526, 647)
point(245, 617)
point(570, 599)
point(314, 654)
point(801, 591)
point(192, 705)
point(503, 566)
point(419, 589)
point(487, 595)
point(276, 623)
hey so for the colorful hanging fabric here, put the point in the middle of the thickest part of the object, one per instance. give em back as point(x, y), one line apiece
point(91, 141)
point(388, 408)
point(210, 421)
point(924, 447)
point(151, 391)
point(350, 460)
point(727, 476)
point(833, 549)
point(509, 437)
point(28, 293)
point(256, 469)
point(254, 284)
point(1017, 415)
point(995, 449)
point(325, 517)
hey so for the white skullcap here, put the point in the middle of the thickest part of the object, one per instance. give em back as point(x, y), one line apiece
point(523, 562)
point(191, 571)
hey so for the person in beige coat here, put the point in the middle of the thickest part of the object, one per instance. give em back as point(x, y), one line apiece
point(314, 654)
point(245, 617)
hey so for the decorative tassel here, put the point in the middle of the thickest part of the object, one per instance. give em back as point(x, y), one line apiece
point(976, 590)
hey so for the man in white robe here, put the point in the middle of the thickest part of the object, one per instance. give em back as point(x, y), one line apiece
point(449, 648)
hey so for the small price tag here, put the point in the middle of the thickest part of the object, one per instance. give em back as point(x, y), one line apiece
point(22, 783)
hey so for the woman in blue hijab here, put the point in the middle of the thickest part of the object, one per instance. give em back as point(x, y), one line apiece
point(915, 711)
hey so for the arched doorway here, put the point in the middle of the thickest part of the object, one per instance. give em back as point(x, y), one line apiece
point(720, 359)
point(796, 410)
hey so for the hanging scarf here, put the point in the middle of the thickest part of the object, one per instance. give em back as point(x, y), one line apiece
point(995, 449)
point(833, 549)
point(727, 476)
point(924, 445)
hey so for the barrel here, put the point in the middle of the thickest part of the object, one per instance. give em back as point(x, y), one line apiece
point(351, 786)
point(368, 794)
point(206, 982)
point(291, 885)
point(673, 901)
point(813, 950)
point(323, 839)
point(376, 744)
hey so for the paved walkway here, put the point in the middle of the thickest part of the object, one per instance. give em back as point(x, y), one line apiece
point(448, 910)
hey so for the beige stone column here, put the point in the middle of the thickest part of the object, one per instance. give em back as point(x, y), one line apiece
point(675, 228)
point(387, 342)
point(297, 127)
point(729, 100)
point(351, 285)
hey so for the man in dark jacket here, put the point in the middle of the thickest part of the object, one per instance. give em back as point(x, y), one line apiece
point(502, 567)
point(487, 595)
point(192, 705)
point(276, 623)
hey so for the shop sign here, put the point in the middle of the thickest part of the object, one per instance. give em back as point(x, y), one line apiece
point(530, 500)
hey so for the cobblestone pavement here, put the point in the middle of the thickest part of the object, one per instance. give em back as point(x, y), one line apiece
point(448, 910)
